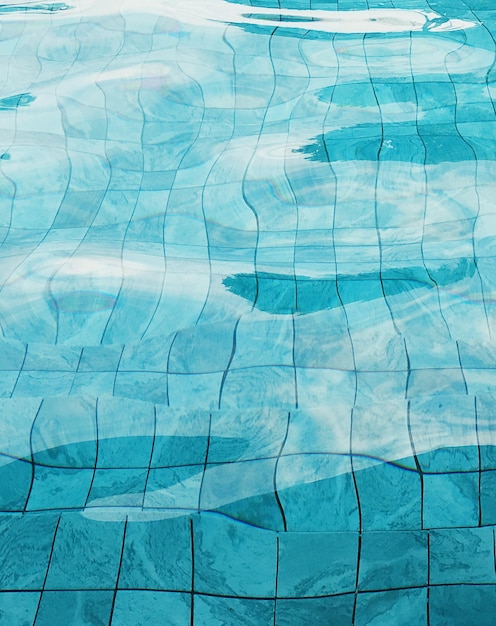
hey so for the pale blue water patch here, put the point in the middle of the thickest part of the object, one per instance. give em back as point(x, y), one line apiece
point(247, 306)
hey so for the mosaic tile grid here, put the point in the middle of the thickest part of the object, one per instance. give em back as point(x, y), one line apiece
point(247, 313)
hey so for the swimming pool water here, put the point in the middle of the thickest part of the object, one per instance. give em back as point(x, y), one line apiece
point(247, 313)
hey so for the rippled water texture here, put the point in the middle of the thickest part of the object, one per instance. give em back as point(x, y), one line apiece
point(247, 313)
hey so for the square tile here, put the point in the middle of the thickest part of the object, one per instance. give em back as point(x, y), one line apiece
point(462, 555)
point(451, 500)
point(59, 488)
point(64, 433)
point(118, 487)
point(390, 497)
point(459, 605)
point(213, 610)
point(157, 555)
point(317, 564)
point(308, 611)
point(246, 434)
point(25, 546)
point(181, 437)
point(319, 483)
point(391, 608)
point(243, 491)
point(233, 559)
point(174, 487)
point(18, 609)
point(150, 608)
point(75, 608)
point(15, 483)
point(86, 554)
point(393, 559)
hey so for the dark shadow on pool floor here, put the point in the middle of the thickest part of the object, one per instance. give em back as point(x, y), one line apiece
point(286, 294)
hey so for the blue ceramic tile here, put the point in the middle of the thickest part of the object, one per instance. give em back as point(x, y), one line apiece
point(307, 611)
point(157, 555)
point(317, 564)
point(13, 353)
point(181, 437)
point(85, 555)
point(488, 497)
point(18, 609)
point(26, 543)
point(249, 434)
point(244, 491)
point(100, 358)
point(210, 610)
point(174, 487)
point(59, 488)
point(390, 560)
point(462, 555)
point(198, 350)
point(458, 605)
point(194, 392)
point(319, 483)
point(390, 498)
point(117, 487)
point(129, 439)
point(44, 357)
point(451, 500)
point(149, 385)
point(64, 434)
point(74, 608)
point(276, 383)
point(43, 383)
point(392, 607)
point(232, 558)
point(151, 608)
point(15, 483)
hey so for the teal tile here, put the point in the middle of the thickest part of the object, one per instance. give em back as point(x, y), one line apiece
point(86, 554)
point(488, 497)
point(151, 608)
point(74, 608)
point(201, 349)
point(392, 608)
point(15, 483)
point(317, 564)
point(212, 611)
point(59, 488)
point(451, 500)
point(181, 437)
point(174, 487)
point(232, 558)
point(390, 498)
point(118, 487)
point(248, 434)
point(151, 386)
point(18, 609)
point(100, 358)
point(157, 555)
point(64, 433)
point(337, 610)
point(459, 605)
point(25, 546)
point(33, 384)
point(319, 483)
point(393, 559)
point(462, 555)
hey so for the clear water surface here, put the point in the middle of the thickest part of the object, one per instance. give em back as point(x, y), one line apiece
point(247, 313)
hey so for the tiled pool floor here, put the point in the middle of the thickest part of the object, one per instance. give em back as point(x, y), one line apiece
point(247, 313)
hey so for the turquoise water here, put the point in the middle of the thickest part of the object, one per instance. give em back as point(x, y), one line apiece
point(247, 313)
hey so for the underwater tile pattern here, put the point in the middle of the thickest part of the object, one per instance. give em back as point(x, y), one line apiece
point(247, 313)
